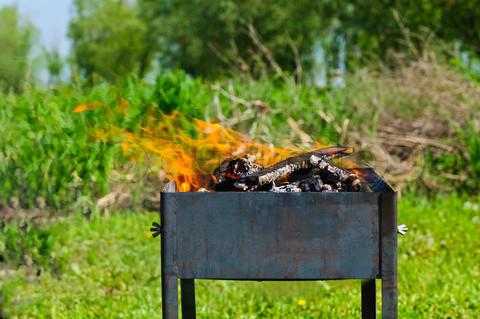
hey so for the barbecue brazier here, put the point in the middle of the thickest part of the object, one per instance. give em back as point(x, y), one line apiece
point(278, 236)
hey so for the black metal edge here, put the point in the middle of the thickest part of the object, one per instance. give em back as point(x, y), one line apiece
point(277, 279)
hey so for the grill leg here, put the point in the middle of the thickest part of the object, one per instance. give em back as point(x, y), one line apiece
point(389, 298)
point(369, 306)
point(389, 256)
point(188, 298)
point(169, 297)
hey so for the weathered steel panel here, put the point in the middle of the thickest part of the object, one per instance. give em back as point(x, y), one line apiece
point(271, 235)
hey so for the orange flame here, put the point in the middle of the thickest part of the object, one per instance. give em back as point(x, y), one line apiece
point(91, 106)
point(187, 156)
point(189, 149)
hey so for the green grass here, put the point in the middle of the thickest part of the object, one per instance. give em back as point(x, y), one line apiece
point(108, 267)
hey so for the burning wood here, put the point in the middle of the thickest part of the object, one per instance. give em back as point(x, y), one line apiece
point(231, 170)
point(308, 172)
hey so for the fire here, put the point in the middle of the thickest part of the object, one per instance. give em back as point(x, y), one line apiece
point(189, 156)
point(189, 149)
point(91, 106)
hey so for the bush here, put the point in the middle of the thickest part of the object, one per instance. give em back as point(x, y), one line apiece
point(47, 151)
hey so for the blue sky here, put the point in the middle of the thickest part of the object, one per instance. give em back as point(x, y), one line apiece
point(50, 17)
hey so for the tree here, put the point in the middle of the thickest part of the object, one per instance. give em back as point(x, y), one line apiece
point(16, 41)
point(213, 37)
point(208, 37)
point(376, 29)
point(109, 39)
point(54, 65)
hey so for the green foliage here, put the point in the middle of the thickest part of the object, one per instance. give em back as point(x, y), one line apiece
point(464, 163)
point(386, 28)
point(111, 269)
point(177, 91)
point(212, 37)
point(26, 245)
point(114, 38)
point(16, 39)
point(47, 150)
point(470, 137)
point(108, 39)
point(467, 64)
point(54, 65)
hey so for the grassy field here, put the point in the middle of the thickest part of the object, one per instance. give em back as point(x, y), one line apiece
point(108, 267)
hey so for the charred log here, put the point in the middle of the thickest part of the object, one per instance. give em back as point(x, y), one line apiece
point(289, 166)
point(231, 170)
point(308, 172)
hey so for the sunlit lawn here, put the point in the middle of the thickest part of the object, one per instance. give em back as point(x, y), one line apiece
point(109, 267)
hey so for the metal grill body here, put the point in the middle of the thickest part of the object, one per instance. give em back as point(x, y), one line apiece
point(278, 236)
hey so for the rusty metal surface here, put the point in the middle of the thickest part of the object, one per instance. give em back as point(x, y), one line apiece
point(271, 236)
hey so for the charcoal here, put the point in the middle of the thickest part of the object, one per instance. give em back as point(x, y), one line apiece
point(327, 188)
point(326, 173)
point(287, 188)
point(290, 165)
point(308, 172)
point(310, 182)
